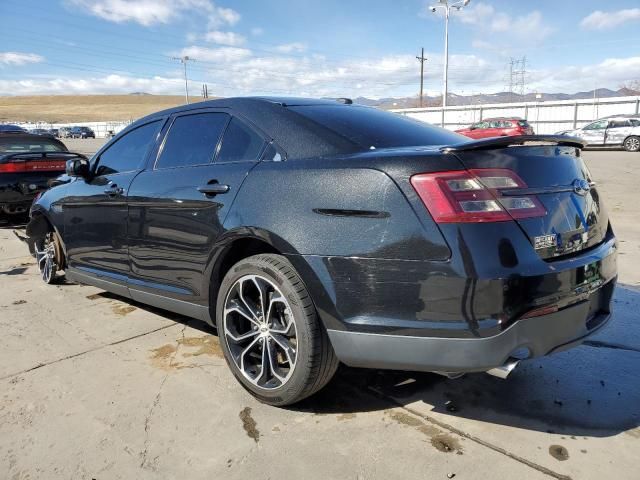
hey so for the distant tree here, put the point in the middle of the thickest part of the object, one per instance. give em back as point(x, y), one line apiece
point(633, 85)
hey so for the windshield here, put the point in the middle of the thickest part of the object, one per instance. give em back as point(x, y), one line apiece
point(19, 145)
point(373, 128)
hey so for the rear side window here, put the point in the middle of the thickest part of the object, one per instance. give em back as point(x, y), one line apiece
point(523, 123)
point(129, 151)
point(619, 124)
point(373, 128)
point(192, 140)
point(240, 143)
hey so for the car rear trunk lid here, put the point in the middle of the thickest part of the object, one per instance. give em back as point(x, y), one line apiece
point(557, 177)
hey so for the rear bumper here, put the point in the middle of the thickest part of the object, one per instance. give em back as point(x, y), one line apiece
point(530, 338)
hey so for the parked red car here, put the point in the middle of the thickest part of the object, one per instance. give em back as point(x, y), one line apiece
point(498, 127)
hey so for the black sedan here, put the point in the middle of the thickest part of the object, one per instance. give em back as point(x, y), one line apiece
point(311, 232)
point(81, 132)
point(28, 163)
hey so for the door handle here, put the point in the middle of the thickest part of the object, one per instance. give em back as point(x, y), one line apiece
point(113, 190)
point(213, 188)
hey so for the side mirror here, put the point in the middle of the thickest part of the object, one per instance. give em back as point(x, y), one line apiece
point(77, 167)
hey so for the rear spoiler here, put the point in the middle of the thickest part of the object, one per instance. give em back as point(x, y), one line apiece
point(501, 142)
point(41, 155)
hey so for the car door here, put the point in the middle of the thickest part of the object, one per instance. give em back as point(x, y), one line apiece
point(478, 130)
point(177, 206)
point(617, 131)
point(594, 133)
point(95, 208)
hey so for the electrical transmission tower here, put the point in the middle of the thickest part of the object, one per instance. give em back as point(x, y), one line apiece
point(517, 77)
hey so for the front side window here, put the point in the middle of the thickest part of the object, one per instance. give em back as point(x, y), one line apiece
point(192, 140)
point(129, 152)
point(599, 125)
point(240, 143)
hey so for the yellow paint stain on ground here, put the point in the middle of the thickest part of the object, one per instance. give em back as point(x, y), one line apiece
point(122, 310)
point(163, 357)
point(207, 345)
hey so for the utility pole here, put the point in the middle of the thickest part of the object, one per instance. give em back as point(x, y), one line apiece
point(184, 61)
point(421, 59)
point(444, 4)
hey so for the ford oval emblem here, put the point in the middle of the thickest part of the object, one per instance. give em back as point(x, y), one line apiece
point(581, 187)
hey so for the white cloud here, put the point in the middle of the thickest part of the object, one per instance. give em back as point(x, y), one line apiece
point(220, 16)
point(90, 85)
point(600, 20)
point(257, 31)
point(217, 55)
point(149, 12)
point(18, 58)
point(291, 47)
point(611, 73)
point(225, 38)
point(522, 30)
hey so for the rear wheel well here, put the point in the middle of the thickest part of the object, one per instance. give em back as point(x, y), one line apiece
point(232, 254)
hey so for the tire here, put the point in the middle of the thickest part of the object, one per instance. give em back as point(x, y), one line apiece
point(632, 144)
point(48, 257)
point(299, 357)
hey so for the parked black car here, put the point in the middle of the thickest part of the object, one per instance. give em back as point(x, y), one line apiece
point(42, 131)
point(311, 232)
point(8, 128)
point(28, 163)
point(81, 132)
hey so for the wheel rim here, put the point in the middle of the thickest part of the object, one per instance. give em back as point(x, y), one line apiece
point(633, 144)
point(260, 332)
point(46, 257)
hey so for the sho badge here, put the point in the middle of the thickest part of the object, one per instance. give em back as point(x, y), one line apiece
point(545, 241)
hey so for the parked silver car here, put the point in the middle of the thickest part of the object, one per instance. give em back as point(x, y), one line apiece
point(623, 131)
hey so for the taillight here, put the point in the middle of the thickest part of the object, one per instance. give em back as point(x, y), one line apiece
point(20, 166)
point(468, 196)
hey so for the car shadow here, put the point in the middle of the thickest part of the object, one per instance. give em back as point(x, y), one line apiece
point(590, 390)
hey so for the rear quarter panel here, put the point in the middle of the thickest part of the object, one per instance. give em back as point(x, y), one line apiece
point(333, 208)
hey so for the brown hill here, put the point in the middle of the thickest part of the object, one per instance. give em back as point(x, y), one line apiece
point(84, 108)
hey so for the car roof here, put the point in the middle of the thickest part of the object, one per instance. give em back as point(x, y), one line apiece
point(295, 133)
point(501, 118)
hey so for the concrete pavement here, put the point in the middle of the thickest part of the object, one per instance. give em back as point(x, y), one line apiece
point(96, 386)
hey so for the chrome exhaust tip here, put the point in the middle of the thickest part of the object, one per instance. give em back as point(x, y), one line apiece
point(504, 371)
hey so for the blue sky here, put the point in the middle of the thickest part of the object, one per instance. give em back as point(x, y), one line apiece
point(329, 47)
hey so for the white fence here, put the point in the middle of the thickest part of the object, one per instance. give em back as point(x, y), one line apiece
point(99, 128)
point(545, 117)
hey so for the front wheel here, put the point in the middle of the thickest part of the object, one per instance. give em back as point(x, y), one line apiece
point(270, 333)
point(47, 257)
point(632, 144)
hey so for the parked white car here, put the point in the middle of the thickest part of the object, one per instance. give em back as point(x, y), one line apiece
point(613, 131)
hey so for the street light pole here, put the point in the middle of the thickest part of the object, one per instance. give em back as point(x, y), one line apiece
point(444, 4)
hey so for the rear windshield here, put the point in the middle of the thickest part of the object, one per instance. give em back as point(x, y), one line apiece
point(18, 145)
point(370, 127)
point(523, 123)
